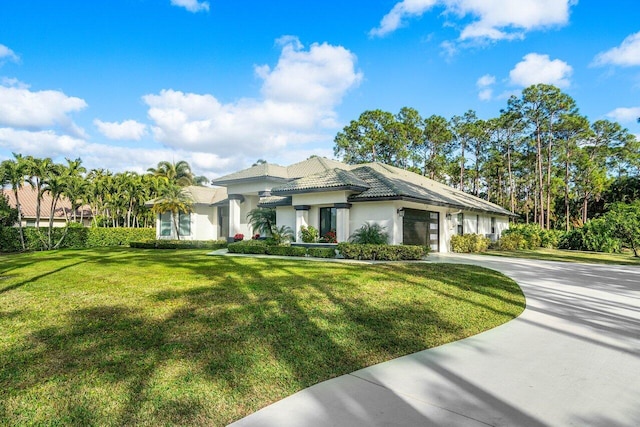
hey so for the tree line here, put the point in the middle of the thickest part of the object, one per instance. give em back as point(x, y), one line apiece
point(539, 158)
point(114, 199)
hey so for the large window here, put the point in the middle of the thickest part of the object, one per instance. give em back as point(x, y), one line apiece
point(327, 220)
point(165, 224)
point(184, 224)
point(421, 228)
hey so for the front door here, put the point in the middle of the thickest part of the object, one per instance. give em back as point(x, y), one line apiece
point(421, 228)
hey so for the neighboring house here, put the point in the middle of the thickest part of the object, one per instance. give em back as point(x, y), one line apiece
point(207, 221)
point(62, 215)
point(333, 196)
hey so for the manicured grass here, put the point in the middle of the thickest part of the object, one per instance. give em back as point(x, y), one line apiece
point(625, 258)
point(144, 337)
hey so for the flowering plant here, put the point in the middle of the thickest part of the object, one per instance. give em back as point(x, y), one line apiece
point(330, 237)
point(238, 237)
point(256, 236)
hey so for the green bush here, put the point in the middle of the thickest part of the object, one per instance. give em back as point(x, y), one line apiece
point(381, 252)
point(309, 234)
point(321, 252)
point(248, 247)
point(469, 243)
point(370, 234)
point(511, 242)
point(595, 235)
point(74, 237)
point(286, 250)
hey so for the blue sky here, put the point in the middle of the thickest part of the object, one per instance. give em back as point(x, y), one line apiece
point(124, 84)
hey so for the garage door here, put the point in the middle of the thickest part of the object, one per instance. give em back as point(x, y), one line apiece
point(421, 228)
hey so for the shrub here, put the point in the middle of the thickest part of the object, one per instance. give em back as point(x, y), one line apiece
point(308, 234)
point(238, 237)
point(370, 234)
point(248, 247)
point(321, 252)
point(179, 244)
point(469, 243)
point(329, 237)
point(286, 250)
point(511, 242)
point(381, 252)
point(74, 237)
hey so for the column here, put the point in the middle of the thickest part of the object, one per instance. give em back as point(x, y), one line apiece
point(234, 214)
point(302, 218)
point(342, 221)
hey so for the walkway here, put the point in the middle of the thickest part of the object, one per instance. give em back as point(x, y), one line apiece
point(571, 359)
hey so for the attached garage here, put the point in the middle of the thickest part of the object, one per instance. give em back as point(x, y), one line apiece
point(421, 228)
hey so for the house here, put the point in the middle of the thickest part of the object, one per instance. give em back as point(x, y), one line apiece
point(333, 196)
point(63, 214)
point(205, 222)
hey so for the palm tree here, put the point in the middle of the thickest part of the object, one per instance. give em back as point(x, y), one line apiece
point(175, 200)
point(175, 173)
point(37, 170)
point(55, 184)
point(262, 220)
point(14, 172)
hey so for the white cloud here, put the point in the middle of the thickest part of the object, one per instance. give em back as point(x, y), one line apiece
point(625, 115)
point(298, 99)
point(494, 19)
point(126, 130)
point(536, 68)
point(7, 54)
point(625, 55)
point(22, 108)
point(192, 5)
point(484, 83)
point(397, 16)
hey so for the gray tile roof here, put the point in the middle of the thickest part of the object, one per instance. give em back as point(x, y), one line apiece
point(201, 195)
point(270, 170)
point(273, 201)
point(376, 181)
point(326, 180)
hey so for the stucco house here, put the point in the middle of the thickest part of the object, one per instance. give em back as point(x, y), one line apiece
point(62, 215)
point(333, 196)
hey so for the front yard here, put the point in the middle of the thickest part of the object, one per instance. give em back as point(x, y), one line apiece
point(143, 337)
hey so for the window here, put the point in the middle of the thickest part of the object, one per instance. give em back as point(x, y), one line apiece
point(165, 224)
point(327, 220)
point(460, 224)
point(184, 224)
point(477, 224)
point(493, 225)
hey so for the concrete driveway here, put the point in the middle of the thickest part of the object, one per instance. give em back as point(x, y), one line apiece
point(571, 359)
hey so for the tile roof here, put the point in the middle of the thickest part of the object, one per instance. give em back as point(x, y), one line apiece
point(273, 201)
point(377, 181)
point(301, 169)
point(330, 179)
point(206, 195)
point(29, 200)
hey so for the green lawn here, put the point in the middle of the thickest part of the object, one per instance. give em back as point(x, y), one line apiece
point(625, 258)
point(141, 337)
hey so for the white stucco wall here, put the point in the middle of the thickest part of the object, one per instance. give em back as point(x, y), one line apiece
point(321, 198)
point(204, 223)
point(382, 213)
point(286, 215)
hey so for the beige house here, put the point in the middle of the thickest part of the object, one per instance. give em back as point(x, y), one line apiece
point(335, 197)
point(28, 197)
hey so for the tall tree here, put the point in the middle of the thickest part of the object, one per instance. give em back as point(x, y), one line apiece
point(374, 137)
point(431, 152)
point(175, 173)
point(38, 169)
point(14, 173)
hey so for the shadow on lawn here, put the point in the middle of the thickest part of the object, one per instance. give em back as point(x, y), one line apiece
point(257, 331)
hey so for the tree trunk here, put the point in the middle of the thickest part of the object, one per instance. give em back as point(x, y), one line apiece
point(20, 230)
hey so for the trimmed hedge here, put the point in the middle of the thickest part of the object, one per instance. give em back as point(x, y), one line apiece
point(321, 252)
point(179, 244)
point(76, 237)
point(286, 251)
point(469, 243)
point(248, 247)
point(382, 252)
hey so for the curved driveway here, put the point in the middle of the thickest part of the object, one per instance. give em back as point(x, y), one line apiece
point(571, 359)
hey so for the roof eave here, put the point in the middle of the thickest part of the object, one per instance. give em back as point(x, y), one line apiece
point(354, 188)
